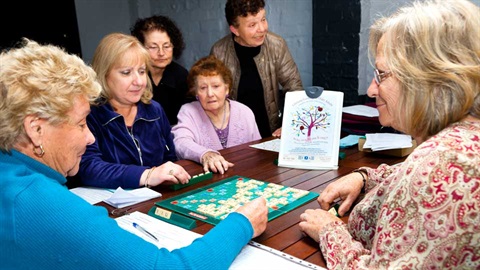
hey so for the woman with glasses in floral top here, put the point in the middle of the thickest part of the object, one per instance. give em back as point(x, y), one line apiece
point(424, 212)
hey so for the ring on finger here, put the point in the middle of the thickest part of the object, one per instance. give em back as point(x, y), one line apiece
point(171, 172)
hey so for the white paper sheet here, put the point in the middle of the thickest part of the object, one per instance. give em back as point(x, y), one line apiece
point(92, 195)
point(172, 237)
point(118, 198)
point(122, 198)
point(272, 145)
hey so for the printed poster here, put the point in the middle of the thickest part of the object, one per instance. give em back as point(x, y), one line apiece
point(311, 130)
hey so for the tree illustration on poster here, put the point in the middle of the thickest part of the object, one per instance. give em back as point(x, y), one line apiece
point(309, 118)
point(311, 134)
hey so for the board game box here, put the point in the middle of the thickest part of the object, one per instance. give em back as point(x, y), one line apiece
point(214, 202)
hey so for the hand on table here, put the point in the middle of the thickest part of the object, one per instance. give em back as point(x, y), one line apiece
point(346, 188)
point(257, 213)
point(167, 172)
point(277, 133)
point(215, 162)
point(312, 222)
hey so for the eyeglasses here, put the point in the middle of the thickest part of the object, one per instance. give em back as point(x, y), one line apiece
point(167, 47)
point(380, 76)
point(120, 211)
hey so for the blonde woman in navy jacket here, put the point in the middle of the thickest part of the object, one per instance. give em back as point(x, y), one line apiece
point(213, 122)
point(133, 144)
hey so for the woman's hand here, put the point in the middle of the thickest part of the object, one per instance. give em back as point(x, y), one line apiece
point(277, 133)
point(257, 213)
point(167, 172)
point(346, 188)
point(214, 162)
point(312, 222)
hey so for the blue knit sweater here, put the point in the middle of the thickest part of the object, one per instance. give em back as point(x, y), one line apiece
point(45, 226)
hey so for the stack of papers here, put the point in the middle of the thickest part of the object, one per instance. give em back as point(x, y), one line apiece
point(361, 110)
point(117, 198)
point(385, 141)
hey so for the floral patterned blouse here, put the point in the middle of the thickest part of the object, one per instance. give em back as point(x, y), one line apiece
point(421, 214)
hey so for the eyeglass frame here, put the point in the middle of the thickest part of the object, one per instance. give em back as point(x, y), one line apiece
point(380, 76)
point(117, 212)
point(167, 47)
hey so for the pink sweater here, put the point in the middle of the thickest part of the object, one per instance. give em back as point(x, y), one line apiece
point(194, 134)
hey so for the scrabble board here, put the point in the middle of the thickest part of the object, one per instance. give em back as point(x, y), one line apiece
point(214, 202)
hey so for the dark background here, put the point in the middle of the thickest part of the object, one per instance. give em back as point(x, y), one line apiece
point(336, 42)
point(43, 21)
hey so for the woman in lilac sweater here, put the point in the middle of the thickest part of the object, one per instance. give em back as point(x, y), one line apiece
point(213, 122)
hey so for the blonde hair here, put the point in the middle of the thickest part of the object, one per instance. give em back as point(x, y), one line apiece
point(433, 49)
point(110, 52)
point(41, 80)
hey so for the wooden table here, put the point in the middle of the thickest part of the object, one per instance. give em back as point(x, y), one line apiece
point(282, 233)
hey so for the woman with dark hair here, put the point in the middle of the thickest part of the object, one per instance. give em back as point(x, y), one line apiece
point(164, 41)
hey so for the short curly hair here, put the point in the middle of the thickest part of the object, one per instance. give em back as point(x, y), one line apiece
point(160, 23)
point(241, 8)
point(40, 80)
point(208, 66)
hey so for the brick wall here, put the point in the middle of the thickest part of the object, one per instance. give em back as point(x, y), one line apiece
point(336, 26)
point(203, 23)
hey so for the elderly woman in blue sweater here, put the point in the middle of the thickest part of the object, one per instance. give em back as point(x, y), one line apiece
point(44, 103)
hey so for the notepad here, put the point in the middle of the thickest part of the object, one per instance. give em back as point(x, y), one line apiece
point(386, 141)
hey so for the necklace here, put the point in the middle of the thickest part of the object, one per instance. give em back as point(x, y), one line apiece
point(224, 116)
point(223, 120)
point(222, 133)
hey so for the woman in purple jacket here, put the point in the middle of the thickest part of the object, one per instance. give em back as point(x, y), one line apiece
point(213, 122)
point(134, 145)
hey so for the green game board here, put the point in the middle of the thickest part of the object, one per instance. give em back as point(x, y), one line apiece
point(214, 202)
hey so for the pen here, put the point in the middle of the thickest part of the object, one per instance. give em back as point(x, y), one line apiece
point(140, 228)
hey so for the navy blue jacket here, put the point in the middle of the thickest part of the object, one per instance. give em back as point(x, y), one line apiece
point(118, 159)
